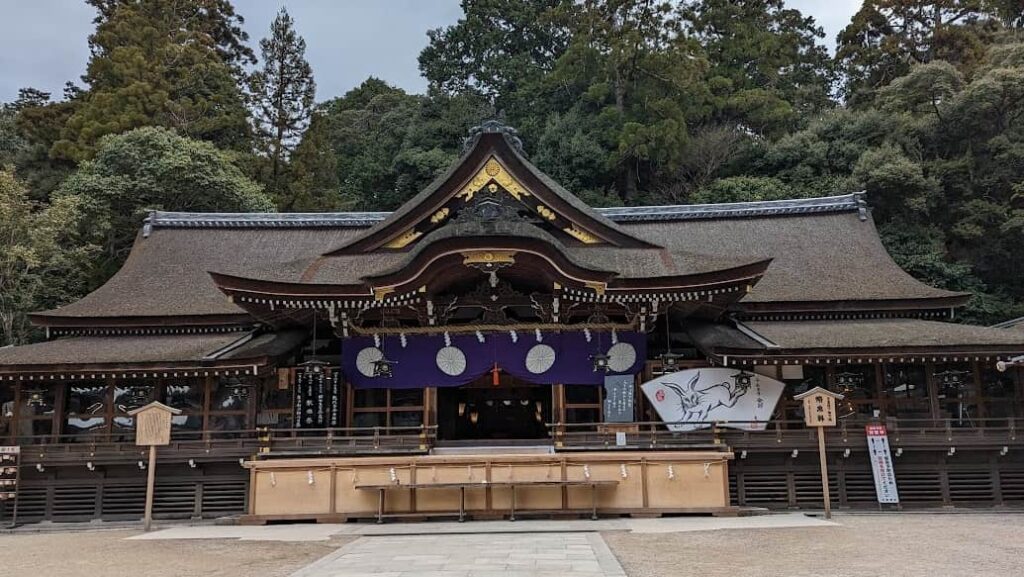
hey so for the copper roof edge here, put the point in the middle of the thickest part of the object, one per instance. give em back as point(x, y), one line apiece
point(826, 204)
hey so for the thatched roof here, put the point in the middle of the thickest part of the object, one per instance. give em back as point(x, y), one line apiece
point(825, 253)
point(854, 339)
point(166, 274)
point(816, 257)
point(149, 352)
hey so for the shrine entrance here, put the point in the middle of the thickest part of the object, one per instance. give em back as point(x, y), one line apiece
point(511, 410)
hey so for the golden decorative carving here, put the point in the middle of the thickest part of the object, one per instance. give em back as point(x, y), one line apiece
point(440, 215)
point(598, 287)
point(545, 212)
point(403, 240)
point(380, 292)
point(581, 234)
point(485, 257)
point(493, 171)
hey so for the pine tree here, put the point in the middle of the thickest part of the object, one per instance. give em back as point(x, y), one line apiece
point(283, 93)
point(159, 63)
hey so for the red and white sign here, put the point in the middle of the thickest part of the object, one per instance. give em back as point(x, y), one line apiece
point(881, 464)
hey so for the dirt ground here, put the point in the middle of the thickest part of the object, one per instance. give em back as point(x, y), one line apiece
point(107, 553)
point(909, 545)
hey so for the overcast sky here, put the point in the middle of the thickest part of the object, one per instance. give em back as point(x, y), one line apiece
point(43, 42)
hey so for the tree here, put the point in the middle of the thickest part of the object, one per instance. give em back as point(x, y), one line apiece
point(313, 185)
point(215, 19)
point(501, 49)
point(886, 37)
point(283, 93)
point(158, 63)
point(153, 169)
point(743, 189)
point(636, 79)
point(387, 145)
point(38, 122)
point(40, 258)
point(767, 66)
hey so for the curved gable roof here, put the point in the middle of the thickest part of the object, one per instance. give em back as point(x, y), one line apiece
point(825, 253)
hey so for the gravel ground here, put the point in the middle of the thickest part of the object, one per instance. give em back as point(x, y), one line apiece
point(107, 553)
point(911, 545)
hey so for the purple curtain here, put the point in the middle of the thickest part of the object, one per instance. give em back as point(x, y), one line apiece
point(416, 363)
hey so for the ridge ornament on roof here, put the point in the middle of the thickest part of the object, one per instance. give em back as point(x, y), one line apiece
point(839, 203)
point(163, 219)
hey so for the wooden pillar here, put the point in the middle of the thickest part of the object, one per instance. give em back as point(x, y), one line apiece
point(976, 389)
point(207, 394)
point(430, 406)
point(57, 419)
point(933, 390)
point(882, 400)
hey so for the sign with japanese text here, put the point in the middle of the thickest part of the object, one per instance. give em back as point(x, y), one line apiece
point(819, 407)
point(618, 398)
point(881, 464)
point(318, 400)
point(9, 472)
point(153, 424)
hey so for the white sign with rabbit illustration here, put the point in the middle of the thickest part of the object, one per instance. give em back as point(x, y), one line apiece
point(693, 399)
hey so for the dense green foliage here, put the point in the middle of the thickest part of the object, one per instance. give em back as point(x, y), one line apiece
point(622, 101)
point(150, 169)
point(283, 94)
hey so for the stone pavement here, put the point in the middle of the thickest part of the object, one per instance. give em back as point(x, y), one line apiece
point(323, 532)
point(471, 555)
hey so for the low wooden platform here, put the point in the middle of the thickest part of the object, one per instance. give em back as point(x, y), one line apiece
point(491, 486)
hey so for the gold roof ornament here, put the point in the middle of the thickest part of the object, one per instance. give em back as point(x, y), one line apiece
point(488, 257)
point(403, 240)
point(581, 235)
point(493, 171)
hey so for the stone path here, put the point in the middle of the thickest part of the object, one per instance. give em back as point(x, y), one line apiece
point(324, 532)
point(471, 555)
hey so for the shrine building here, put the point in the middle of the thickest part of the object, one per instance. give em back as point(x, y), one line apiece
point(496, 346)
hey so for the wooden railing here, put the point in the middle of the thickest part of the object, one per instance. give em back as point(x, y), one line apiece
point(226, 445)
point(921, 434)
point(783, 435)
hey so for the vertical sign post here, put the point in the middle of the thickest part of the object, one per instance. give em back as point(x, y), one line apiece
point(10, 477)
point(820, 412)
point(152, 429)
point(881, 464)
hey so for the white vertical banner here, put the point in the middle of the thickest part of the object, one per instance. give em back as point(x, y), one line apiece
point(881, 464)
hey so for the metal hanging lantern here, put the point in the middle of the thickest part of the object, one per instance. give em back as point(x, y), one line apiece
point(849, 385)
point(382, 368)
point(669, 360)
point(239, 390)
point(314, 366)
point(600, 361)
point(35, 398)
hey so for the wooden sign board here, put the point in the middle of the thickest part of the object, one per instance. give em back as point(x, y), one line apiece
point(819, 407)
point(153, 424)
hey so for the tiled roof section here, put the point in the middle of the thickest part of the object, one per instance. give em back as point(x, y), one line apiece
point(160, 219)
point(842, 203)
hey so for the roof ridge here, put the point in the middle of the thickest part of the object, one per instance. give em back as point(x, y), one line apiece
point(839, 203)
